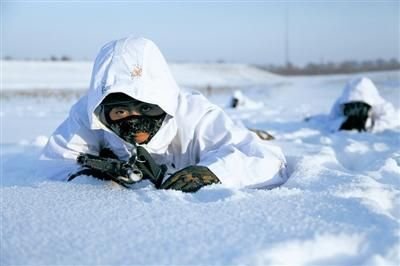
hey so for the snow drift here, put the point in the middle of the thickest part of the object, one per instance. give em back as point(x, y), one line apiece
point(339, 207)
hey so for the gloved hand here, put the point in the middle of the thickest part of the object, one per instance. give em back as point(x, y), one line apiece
point(262, 134)
point(190, 179)
point(96, 173)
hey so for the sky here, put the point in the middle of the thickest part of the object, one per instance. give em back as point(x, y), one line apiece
point(253, 32)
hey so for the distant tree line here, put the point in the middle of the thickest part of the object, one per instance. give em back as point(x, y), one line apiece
point(349, 66)
point(51, 58)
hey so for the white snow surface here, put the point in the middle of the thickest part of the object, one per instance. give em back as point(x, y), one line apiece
point(61, 75)
point(339, 207)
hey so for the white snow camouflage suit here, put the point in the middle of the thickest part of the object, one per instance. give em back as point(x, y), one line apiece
point(194, 132)
point(362, 89)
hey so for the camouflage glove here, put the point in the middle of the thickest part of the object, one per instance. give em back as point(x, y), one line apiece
point(264, 135)
point(190, 179)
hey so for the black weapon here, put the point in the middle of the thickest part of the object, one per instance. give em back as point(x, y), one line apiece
point(139, 166)
point(150, 169)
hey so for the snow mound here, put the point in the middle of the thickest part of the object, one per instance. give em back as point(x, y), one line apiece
point(19, 75)
point(339, 207)
point(221, 75)
point(75, 75)
point(322, 249)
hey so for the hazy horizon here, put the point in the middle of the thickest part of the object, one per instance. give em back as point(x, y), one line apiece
point(233, 32)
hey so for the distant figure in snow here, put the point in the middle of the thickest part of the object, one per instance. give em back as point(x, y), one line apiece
point(209, 90)
point(239, 100)
point(134, 105)
point(361, 108)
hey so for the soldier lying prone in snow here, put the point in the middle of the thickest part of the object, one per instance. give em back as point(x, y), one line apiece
point(133, 101)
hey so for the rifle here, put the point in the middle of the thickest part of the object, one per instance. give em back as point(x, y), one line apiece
point(139, 166)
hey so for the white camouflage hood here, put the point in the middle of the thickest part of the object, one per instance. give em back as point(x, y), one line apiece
point(136, 67)
point(359, 89)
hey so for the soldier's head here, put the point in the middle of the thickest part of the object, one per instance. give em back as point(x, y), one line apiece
point(134, 121)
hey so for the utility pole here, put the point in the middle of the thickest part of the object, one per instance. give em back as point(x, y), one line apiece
point(287, 60)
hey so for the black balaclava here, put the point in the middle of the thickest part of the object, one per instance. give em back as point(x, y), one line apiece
point(356, 114)
point(127, 127)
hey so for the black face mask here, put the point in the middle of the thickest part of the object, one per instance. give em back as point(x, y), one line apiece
point(357, 114)
point(127, 127)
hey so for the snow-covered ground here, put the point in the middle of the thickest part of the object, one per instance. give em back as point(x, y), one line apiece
point(339, 207)
point(75, 75)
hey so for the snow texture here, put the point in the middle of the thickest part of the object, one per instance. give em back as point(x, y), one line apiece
point(22, 75)
point(339, 207)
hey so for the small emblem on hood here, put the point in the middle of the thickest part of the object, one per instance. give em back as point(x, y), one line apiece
point(136, 71)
